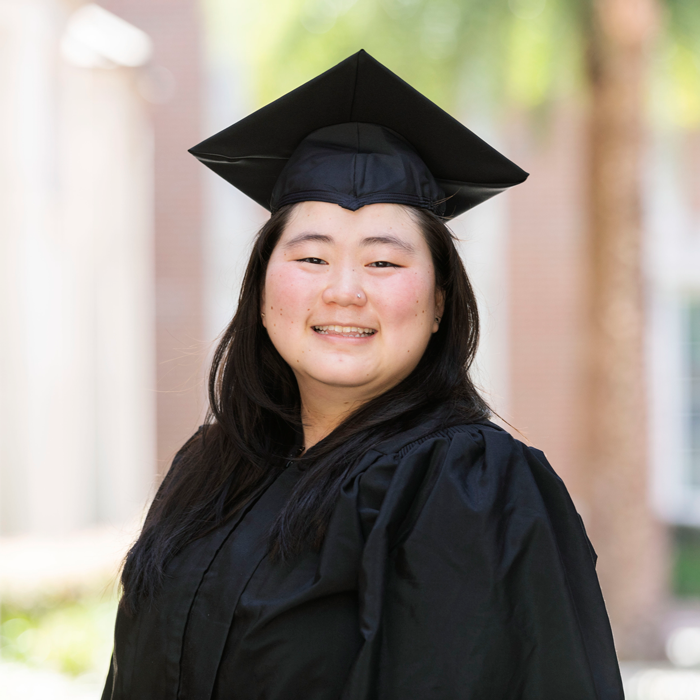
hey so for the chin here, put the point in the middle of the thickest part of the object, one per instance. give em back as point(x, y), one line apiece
point(351, 377)
point(350, 380)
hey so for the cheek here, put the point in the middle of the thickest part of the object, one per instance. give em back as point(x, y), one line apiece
point(287, 296)
point(409, 301)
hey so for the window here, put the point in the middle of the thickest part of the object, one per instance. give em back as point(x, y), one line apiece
point(691, 391)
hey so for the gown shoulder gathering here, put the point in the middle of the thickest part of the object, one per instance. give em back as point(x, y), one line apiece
point(455, 567)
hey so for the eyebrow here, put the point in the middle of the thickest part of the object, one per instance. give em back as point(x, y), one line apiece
point(393, 241)
point(305, 237)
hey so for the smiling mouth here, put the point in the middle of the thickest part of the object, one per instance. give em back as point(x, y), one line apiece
point(345, 331)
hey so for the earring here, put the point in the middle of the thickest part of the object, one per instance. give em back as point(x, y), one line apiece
point(263, 314)
point(437, 319)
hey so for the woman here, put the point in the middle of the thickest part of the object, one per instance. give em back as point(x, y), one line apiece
point(348, 523)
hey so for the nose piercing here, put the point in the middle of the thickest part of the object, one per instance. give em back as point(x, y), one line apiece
point(359, 296)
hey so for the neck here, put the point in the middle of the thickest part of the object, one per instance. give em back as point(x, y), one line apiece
point(323, 411)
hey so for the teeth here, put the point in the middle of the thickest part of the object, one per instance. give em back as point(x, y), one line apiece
point(352, 331)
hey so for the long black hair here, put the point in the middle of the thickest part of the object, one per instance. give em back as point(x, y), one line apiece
point(254, 419)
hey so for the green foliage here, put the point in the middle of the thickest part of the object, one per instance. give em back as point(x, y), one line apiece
point(682, 18)
point(70, 635)
point(686, 563)
point(675, 82)
point(501, 51)
point(466, 55)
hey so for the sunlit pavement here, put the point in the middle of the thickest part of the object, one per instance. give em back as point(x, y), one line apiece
point(642, 682)
point(660, 682)
point(20, 682)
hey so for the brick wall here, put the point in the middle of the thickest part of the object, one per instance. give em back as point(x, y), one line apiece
point(545, 271)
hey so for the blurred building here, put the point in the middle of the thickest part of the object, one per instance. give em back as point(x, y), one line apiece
point(76, 269)
point(545, 256)
point(546, 261)
point(106, 315)
point(173, 86)
point(673, 262)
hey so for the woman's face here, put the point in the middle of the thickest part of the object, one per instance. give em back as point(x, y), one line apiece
point(349, 298)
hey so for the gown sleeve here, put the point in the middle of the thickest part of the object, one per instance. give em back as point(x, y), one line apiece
point(478, 582)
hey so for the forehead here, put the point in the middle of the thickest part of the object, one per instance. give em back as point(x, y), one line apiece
point(347, 228)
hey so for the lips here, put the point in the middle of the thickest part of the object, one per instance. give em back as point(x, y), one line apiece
point(345, 331)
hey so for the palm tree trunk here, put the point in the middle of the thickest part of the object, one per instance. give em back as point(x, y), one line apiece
point(629, 540)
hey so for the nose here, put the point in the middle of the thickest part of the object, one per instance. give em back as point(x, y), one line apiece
point(344, 289)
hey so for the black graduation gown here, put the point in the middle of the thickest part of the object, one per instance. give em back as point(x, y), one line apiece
point(455, 567)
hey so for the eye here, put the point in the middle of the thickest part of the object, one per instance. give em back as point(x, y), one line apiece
point(313, 261)
point(382, 263)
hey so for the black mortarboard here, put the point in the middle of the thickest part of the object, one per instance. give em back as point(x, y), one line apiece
point(354, 135)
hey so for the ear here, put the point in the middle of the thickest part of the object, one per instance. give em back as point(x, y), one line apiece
point(439, 302)
point(439, 307)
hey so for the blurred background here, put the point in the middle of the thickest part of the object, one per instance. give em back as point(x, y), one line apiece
point(121, 257)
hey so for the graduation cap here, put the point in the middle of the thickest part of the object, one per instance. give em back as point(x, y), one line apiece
point(355, 135)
